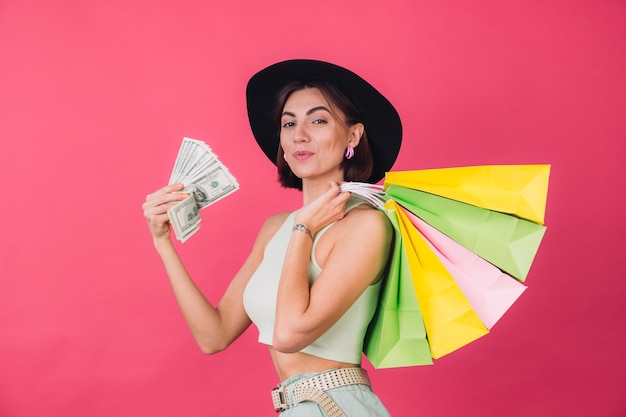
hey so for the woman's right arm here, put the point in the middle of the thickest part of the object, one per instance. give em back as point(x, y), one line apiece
point(214, 328)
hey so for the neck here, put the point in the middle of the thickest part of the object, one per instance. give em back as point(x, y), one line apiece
point(313, 188)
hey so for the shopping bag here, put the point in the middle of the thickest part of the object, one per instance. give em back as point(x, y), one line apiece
point(396, 336)
point(449, 318)
point(520, 190)
point(465, 258)
point(506, 241)
point(490, 291)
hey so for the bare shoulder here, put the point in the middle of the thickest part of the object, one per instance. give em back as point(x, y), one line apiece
point(276, 220)
point(268, 230)
point(271, 226)
point(367, 226)
point(368, 219)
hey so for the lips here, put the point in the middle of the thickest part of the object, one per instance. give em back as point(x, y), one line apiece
point(302, 155)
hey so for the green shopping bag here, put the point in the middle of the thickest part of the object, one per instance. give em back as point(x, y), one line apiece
point(508, 242)
point(396, 336)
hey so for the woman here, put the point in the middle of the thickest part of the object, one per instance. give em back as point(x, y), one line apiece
point(311, 281)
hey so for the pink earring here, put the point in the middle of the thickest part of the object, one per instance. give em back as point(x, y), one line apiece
point(349, 152)
point(285, 157)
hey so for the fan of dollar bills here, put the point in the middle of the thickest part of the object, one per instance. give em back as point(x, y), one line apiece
point(206, 180)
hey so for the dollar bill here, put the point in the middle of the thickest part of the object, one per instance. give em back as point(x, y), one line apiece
point(213, 186)
point(206, 180)
point(185, 218)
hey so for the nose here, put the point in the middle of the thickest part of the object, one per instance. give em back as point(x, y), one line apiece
point(300, 134)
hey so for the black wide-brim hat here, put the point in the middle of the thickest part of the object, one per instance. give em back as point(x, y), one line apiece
point(380, 118)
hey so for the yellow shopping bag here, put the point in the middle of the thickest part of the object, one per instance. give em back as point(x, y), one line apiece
point(520, 190)
point(450, 320)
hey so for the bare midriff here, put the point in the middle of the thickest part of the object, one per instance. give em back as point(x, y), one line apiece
point(289, 364)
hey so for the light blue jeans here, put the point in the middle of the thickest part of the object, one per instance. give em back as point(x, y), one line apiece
point(354, 401)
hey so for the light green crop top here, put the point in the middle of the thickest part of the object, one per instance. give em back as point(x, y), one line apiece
point(344, 340)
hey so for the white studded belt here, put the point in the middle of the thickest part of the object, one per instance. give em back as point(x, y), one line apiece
point(312, 389)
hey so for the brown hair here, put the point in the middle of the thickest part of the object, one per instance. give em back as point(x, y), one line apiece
point(359, 167)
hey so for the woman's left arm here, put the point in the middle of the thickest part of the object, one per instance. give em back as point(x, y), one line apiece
point(357, 252)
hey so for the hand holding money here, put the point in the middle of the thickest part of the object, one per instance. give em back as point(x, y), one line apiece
point(206, 180)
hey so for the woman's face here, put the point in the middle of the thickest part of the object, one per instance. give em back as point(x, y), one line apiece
point(313, 139)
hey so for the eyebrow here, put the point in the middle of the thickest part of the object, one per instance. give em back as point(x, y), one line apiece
point(309, 112)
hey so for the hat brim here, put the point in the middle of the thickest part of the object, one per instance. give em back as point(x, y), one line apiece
point(380, 118)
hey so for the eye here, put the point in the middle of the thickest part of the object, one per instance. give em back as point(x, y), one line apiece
point(319, 121)
point(288, 124)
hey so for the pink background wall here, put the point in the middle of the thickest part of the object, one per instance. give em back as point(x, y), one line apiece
point(96, 96)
